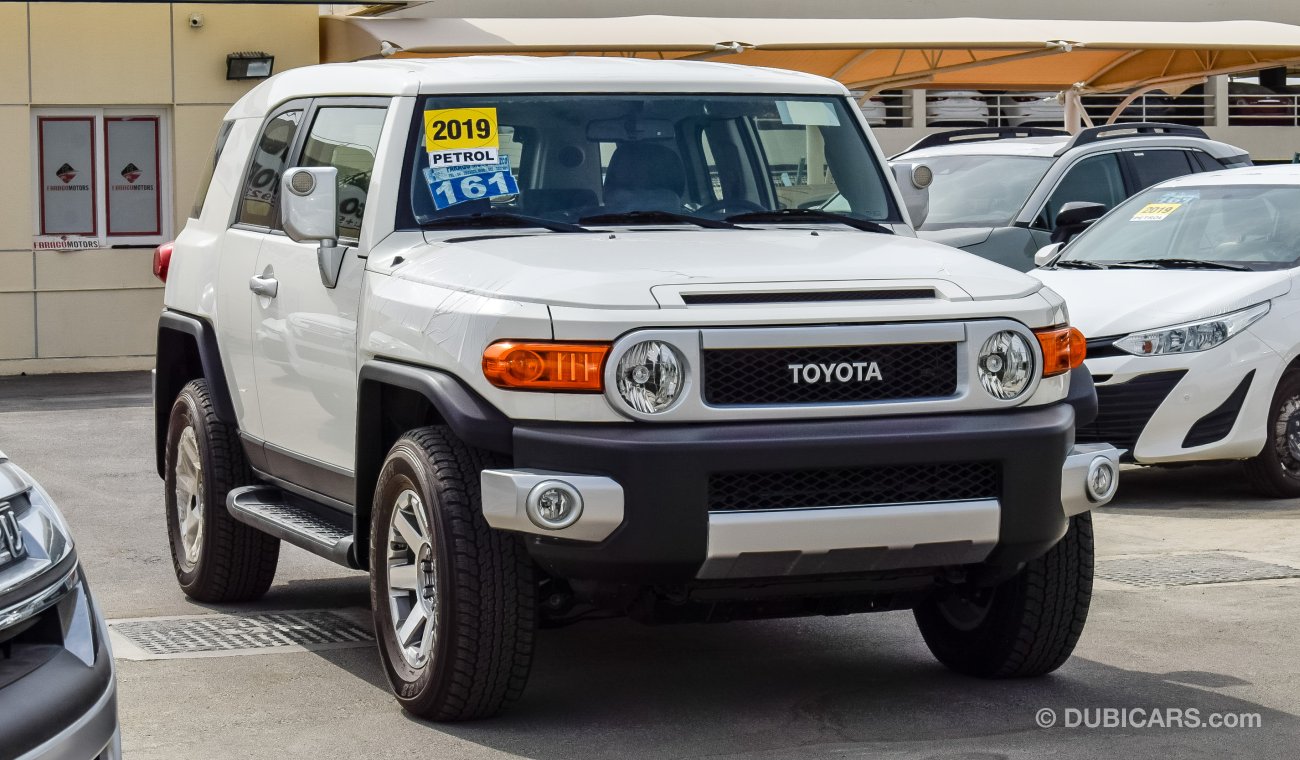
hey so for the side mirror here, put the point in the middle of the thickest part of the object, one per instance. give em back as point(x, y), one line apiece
point(309, 214)
point(1047, 254)
point(1074, 217)
point(914, 184)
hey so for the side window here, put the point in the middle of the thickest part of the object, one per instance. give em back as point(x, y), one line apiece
point(1153, 166)
point(1206, 161)
point(1096, 179)
point(263, 182)
point(346, 138)
point(205, 181)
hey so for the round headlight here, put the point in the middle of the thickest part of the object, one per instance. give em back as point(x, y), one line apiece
point(650, 376)
point(1006, 365)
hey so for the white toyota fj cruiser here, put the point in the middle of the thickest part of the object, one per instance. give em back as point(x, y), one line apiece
point(531, 337)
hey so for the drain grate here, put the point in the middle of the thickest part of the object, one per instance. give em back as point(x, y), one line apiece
point(1160, 570)
point(229, 635)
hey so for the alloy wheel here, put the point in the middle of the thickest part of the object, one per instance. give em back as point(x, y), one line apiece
point(412, 580)
point(189, 498)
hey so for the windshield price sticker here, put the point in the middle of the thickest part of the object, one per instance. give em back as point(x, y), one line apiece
point(453, 185)
point(1155, 212)
point(461, 136)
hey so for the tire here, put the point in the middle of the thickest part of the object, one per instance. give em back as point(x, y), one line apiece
point(222, 560)
point(1275, 472)
point(1025, 626)
point(473, 586)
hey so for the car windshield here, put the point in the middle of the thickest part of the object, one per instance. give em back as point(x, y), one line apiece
point(628, 159)
point(1238, 226)
point(980, 191)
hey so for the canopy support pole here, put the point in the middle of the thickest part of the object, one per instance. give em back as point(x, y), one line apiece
point(1139, 92)
point(1076, 117)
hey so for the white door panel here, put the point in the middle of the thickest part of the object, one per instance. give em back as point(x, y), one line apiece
point(304, 344)
point(234, 316)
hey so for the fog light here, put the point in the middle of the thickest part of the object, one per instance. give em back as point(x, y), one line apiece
point(1102, 479)
point(554, 505)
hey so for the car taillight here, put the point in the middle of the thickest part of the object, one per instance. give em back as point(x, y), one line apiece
point(162, 259)
point(1064, 349)
point(545, 366)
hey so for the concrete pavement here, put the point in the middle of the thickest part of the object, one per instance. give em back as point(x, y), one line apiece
point(862, 686)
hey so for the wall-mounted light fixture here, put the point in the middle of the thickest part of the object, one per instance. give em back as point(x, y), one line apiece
point(249, 65)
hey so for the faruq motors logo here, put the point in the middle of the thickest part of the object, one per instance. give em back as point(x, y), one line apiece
point(835, 372)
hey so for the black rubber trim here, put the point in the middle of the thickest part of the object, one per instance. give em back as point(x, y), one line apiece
point(173, 371)
point(310, 474)
point(1082, 395)
point(1216, 425)
point(43, 703)
point(806, 296)
point(1105, 346)
point(664, 472)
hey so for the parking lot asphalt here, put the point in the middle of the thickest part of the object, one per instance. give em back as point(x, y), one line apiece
point(859, 686)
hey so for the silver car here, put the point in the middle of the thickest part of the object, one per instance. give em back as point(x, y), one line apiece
point(58, 699)
point(997, 192)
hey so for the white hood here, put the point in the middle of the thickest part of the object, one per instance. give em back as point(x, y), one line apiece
point(1121, 301)
point(618, 269)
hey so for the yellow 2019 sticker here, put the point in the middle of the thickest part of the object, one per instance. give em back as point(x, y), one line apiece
point(452, 128)
point(1155, 212)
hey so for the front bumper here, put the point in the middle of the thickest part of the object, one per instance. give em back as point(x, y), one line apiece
point(58, 699)
point(662, 529)
point(1203, 406)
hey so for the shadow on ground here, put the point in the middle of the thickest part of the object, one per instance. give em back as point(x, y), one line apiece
point(1223, 488)
point(803, 689)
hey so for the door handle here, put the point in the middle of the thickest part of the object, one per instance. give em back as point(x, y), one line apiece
point(266, 287)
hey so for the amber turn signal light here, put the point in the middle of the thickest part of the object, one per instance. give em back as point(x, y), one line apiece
point(545, 366)
point(1064, 348)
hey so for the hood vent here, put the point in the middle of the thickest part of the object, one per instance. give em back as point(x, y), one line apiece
point(806, 296)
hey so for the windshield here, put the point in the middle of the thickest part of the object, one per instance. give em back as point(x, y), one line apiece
point(563, 158)
point(1255, 226)
point(980, 191)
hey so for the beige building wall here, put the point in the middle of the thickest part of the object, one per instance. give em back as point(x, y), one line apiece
point(73, 311)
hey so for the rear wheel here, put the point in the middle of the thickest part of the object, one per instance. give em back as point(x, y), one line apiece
point(1275, 472)
point(1025, 626)
point(216, 558)
point(453, 600)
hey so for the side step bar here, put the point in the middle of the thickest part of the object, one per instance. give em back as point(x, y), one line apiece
point(272, 511)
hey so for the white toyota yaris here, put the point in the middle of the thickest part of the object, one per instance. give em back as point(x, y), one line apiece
point(1187, 293)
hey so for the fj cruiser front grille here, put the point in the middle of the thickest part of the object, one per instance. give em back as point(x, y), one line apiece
point(850, 487)
point(842, 374)
point(1124, 409)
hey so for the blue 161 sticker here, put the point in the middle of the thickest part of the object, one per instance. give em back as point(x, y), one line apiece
point(458, 184)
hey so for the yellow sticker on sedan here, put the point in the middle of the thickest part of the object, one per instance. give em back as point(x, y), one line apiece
point(1155, 212)
point(461, 136)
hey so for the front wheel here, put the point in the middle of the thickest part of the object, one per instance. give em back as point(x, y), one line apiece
point(453, 600)
point(1025, 626)
point(1275, 472)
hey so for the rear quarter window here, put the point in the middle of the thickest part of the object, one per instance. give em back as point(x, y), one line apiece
point(205, 181)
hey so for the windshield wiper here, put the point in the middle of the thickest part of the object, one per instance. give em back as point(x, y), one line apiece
point(1180, 264)
point(501, 219)
point(808, 214)
point(1077, 264)
point(656, 217)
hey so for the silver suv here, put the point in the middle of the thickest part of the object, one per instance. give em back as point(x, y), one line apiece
point(999, 192)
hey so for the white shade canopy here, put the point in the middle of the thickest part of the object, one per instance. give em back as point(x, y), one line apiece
point(867, 54)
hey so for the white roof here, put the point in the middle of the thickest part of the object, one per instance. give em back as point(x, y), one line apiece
point(487, 74)
point(1276, 174)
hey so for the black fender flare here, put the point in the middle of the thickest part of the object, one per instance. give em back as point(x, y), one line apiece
point(1082, 395)
point(450, 402)
point(179, 334)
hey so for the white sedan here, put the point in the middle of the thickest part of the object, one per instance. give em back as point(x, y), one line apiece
point(1187, 293)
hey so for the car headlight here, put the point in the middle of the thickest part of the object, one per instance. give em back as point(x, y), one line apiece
point(650, 376)
point(1192, 336)
point(33, 539)
point(1006, 365)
